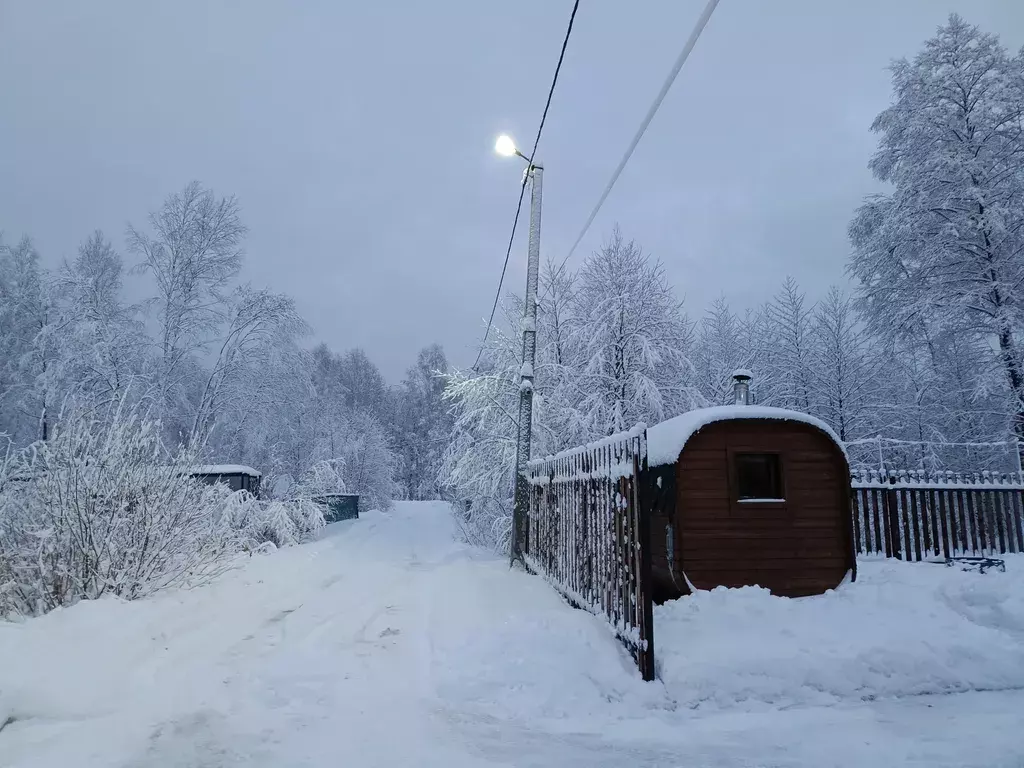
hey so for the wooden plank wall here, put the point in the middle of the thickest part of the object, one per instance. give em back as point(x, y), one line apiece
point(917, 515)
point(589, 534)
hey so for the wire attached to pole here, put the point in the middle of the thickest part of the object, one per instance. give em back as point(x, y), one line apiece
point(522, 187)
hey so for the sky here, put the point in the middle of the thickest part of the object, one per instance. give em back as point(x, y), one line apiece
point(358, 140)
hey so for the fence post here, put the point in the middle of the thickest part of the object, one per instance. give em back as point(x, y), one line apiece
point(641, 476)
point(891, 510)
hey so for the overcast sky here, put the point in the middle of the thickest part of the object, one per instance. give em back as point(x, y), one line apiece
point(357, 138)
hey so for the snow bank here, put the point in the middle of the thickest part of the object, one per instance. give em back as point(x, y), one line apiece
point(665, 441)
point(528, 656)
point(901, 629)
point(100, 657)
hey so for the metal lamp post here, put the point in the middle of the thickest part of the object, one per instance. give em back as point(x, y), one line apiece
point(521, 505)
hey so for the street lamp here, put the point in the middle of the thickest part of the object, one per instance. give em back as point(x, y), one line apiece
point(506, 147)
point(521, 506)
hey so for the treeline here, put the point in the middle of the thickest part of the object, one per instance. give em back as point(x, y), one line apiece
point(925, 351)
point(106, 405)
point(218, 362)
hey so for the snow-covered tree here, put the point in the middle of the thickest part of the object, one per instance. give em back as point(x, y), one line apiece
point(31, 332)
point(106, 345)
point(789, 365)
point(423, 423)
point(845, 381)
point(362, 384)
point(944, 248)
point(256, 319)
point(478, 463)
point(558, 422)
point(632, 340)
point(719, 351)
point(193, 251)
point(368, 465)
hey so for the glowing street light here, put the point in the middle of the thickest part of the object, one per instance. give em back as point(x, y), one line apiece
point(506, 147)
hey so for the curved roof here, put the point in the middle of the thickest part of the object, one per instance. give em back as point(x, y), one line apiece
point(665, 441)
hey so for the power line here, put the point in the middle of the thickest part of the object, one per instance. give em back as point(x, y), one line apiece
point(522, 187)
point(497, 294)
point(683, 55)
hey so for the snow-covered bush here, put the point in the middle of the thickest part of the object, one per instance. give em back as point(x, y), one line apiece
point(477, 470)
point(322, 478)
point(101, 508)
point(255, 523)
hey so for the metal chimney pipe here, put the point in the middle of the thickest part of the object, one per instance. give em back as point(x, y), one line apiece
point(741, 386)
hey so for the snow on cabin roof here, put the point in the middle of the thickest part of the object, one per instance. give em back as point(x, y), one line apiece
point(665, 441)
point(225, 469)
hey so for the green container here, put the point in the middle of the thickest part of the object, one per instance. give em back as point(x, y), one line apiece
point(339, 506)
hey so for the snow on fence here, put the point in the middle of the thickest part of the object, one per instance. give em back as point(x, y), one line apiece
point(886, 453)
point(915, 515)
point(588, 535)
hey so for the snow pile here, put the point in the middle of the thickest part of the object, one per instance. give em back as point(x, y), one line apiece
point(665, 441)
point(529, 656)
point(902, 629)
point(145, 657)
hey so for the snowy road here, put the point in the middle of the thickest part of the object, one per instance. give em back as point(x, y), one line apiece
point(388, 644)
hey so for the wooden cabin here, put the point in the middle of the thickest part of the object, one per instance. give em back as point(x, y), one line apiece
point(748, 495)
point(235, 476)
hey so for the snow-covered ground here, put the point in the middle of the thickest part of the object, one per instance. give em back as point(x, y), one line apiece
point(386, 643)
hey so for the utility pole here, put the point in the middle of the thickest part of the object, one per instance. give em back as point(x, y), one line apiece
point(521, 507)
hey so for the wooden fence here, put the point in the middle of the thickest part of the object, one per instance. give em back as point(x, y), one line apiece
point(588, 535)
point(920, 515)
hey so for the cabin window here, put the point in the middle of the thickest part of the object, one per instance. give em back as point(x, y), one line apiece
point(758, 477)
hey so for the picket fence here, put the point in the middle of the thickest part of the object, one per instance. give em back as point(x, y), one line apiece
point(916, 515)
point(588, 535)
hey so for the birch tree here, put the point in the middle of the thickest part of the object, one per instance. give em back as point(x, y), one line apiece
point(107, 346)
point(944, 247)
point(31, 332)
point(256, 318)
point(192, 253)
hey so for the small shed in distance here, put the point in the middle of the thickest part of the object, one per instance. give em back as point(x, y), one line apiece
point(235, 476)
point(339, 506)
point(744, 495)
